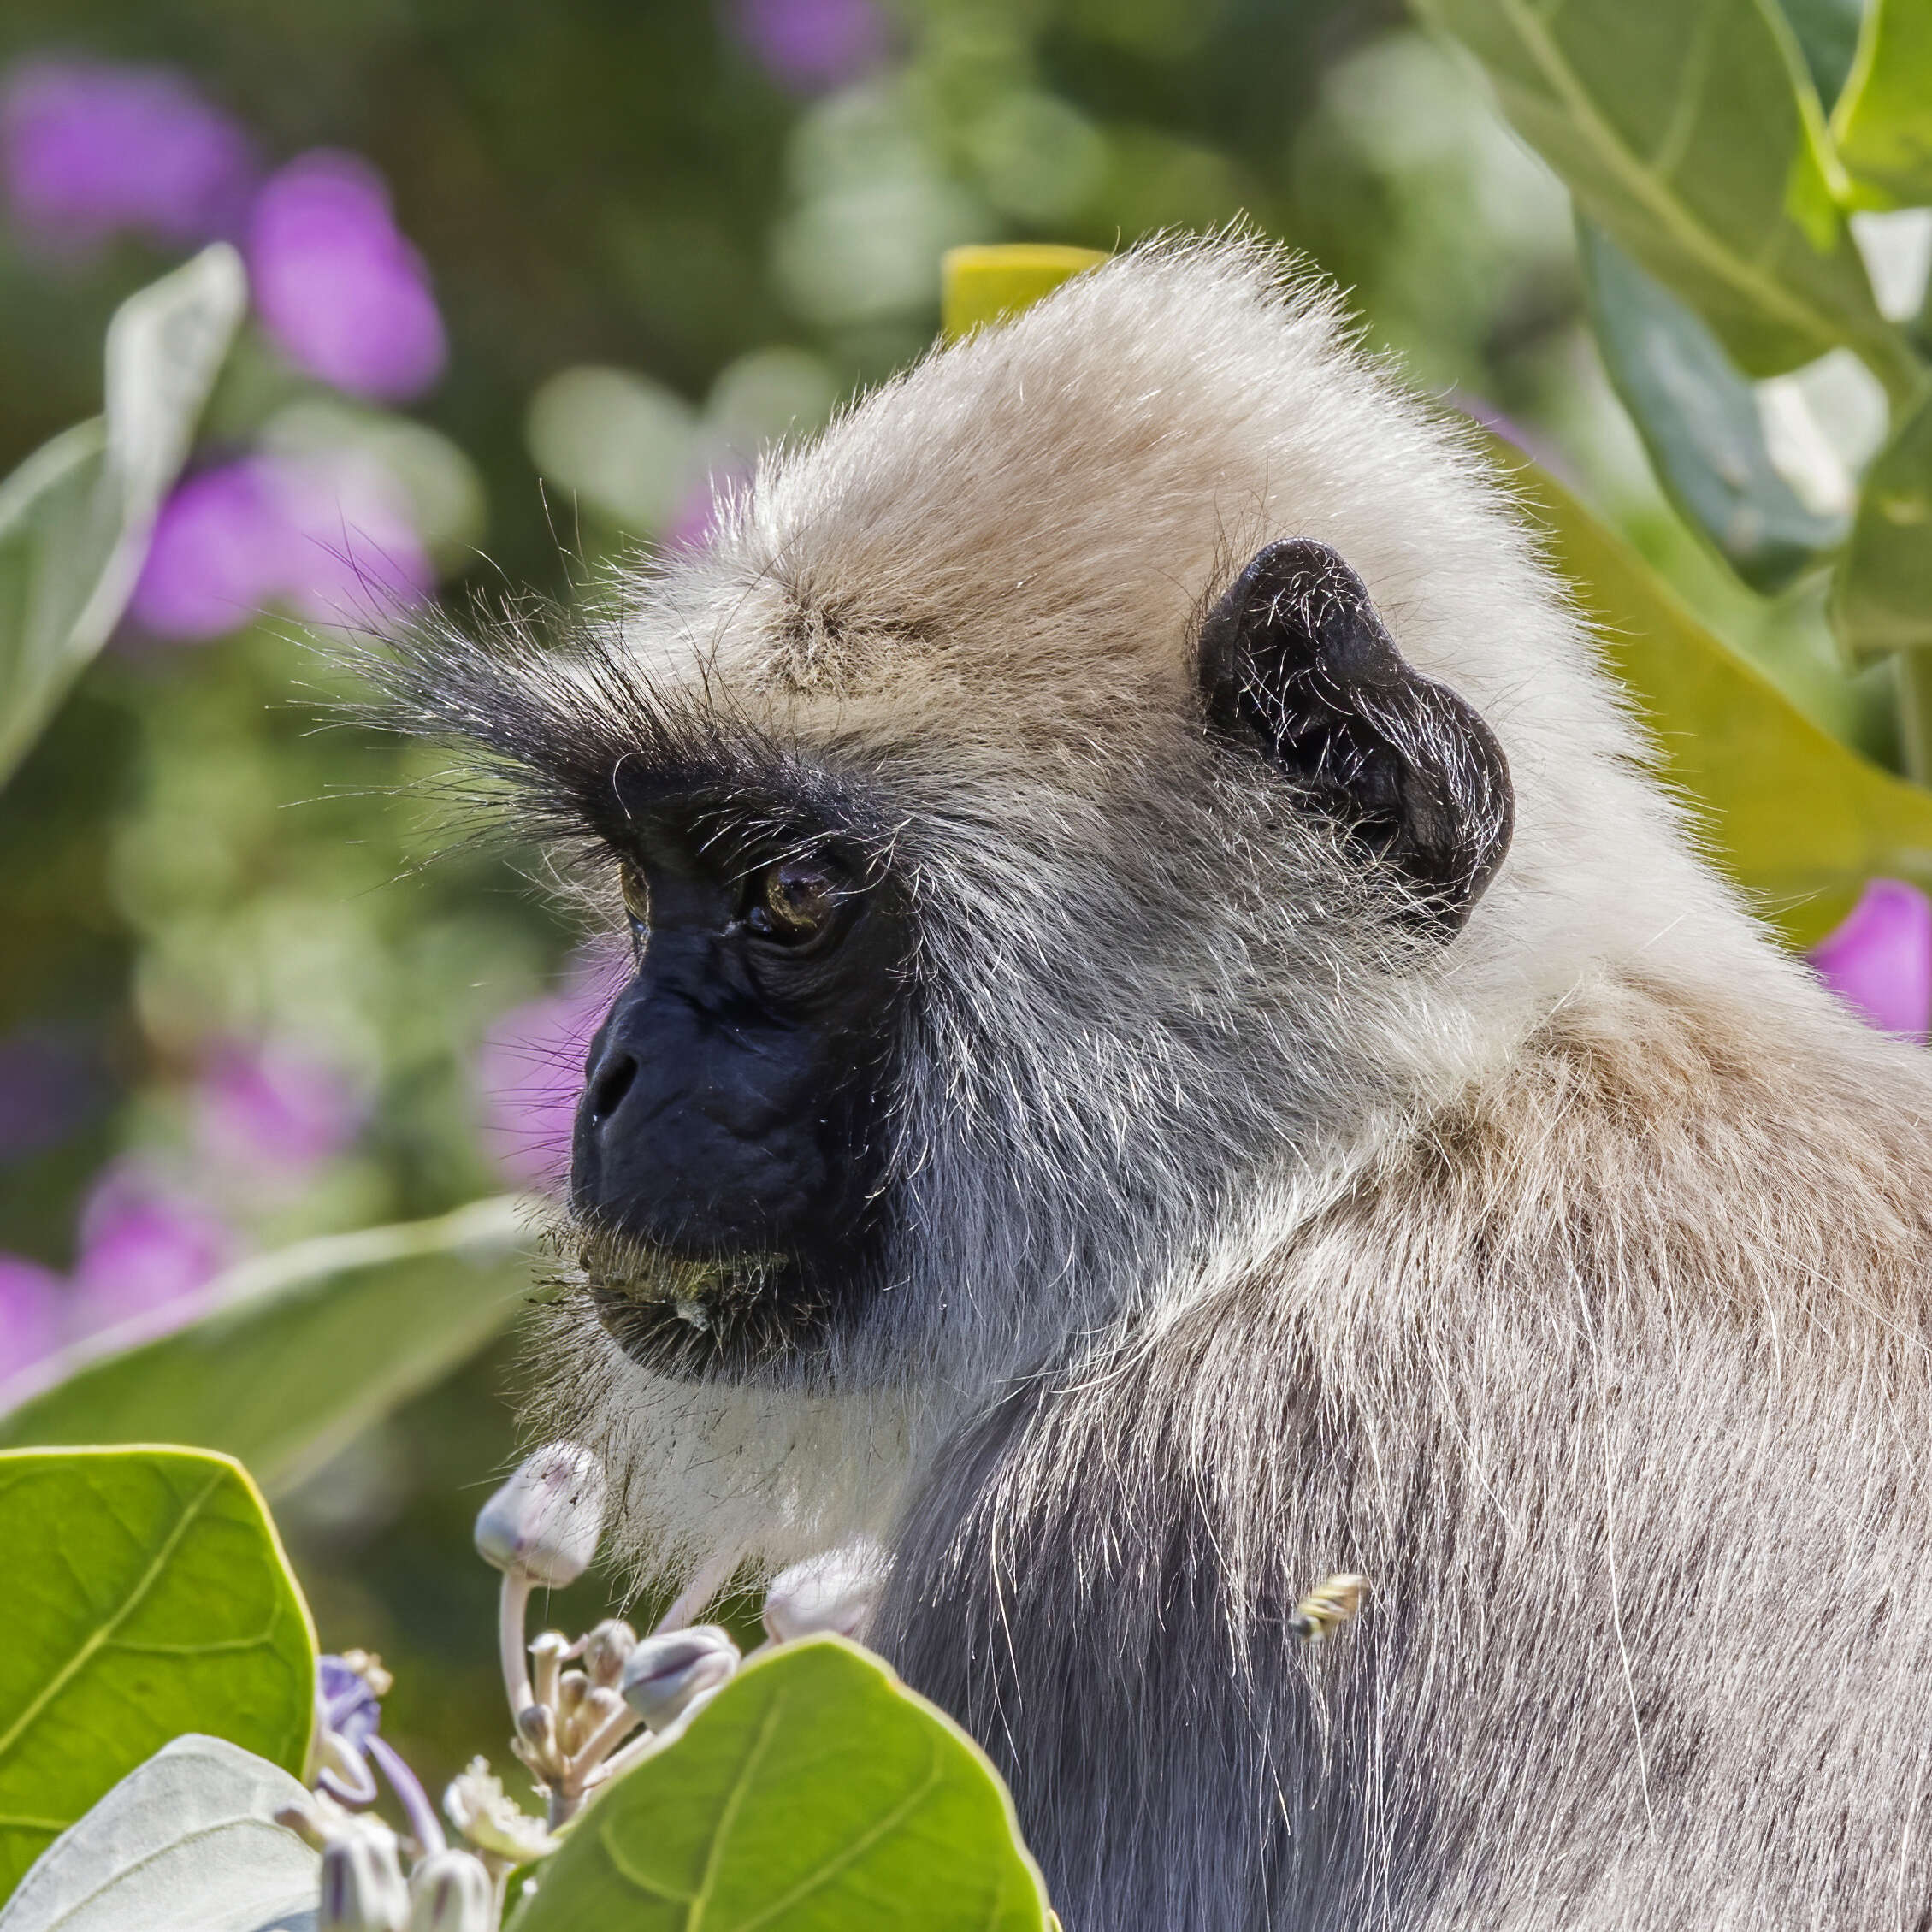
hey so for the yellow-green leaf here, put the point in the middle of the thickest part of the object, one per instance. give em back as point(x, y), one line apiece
point(980, 285)
point(1883, 118)
point(1796, 818)
point(1692, 132)
point(147, 1597)
point(816, 1794)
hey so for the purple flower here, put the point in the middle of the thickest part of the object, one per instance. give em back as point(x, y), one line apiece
point(808, 46)
point(271, 1110)
point(88, 148)
point(342, 293)
point(530, 1070)
point(349, 1704)
point(32, 1313)
point(331, 538)
point(144, 1250)
point(1879, 960)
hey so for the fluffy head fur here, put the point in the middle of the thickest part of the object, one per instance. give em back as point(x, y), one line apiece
point(1561, 1277)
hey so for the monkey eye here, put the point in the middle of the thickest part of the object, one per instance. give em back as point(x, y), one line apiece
point(793, 902)
point(636, 896)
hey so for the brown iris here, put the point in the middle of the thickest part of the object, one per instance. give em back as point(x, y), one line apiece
point(793, 900)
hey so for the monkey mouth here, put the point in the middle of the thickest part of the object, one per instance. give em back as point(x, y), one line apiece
point(709, 1315)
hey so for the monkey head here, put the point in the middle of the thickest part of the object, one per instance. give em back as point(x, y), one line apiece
point(1035, 843)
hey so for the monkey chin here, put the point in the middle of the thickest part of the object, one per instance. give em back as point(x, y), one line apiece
point(711, 1316)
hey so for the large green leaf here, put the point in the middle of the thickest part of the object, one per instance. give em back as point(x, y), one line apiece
point(1883, 118)
point(75, 517)
point(187, 1842)
point(1698, 419)
point(816, 1794)
point(1794, 817)
point(295, 1352)
point(146, 1597)
point(1827, 32)
point(1882, 599)
point(1690, 130)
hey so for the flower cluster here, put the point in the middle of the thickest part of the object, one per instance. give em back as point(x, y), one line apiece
point(584, 1712)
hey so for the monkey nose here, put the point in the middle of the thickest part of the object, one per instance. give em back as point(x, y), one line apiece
point(610, 1079)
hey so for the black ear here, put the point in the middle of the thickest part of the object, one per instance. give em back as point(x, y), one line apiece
point(1293, 658)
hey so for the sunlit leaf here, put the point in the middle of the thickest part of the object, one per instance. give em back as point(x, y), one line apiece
point(816, 1794)
point(186, 1842)
point(1883, 118)
point(296, 1351)
point(1690, 130)
point(1882, 598)
point(1794, 817)
point(146, 1597)
point(75, 517)
point(984, 284)
point(1698, 419)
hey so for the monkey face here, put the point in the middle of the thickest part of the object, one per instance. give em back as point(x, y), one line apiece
point(728, 1142)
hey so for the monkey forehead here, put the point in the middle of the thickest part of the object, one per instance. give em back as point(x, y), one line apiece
point(1021, 532)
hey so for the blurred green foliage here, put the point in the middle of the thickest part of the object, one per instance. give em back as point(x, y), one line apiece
point(650, 254)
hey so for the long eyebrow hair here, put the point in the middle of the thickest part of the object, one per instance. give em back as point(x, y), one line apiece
point(584, 747)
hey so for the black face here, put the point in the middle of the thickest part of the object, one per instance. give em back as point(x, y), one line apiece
point(729, 1145)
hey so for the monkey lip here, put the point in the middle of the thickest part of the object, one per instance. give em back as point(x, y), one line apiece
point(696, 1315)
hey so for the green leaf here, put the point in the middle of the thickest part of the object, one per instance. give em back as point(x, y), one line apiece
point(147, 1596)
point(75, 517)
point(816, 1794)
point(1883, 118)
point(1689, 130)
point(1882, 598)
point(1698, 419)
point(187, 1842)
point(1794, 817)
point(297, 1352)
point(1827, 32)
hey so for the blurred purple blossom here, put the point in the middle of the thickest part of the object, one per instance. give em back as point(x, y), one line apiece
point(143, 1248)
point(808, 46)
point(335, 283)
point(1880, 959)
point(530, 1070)
point(696, 518)
point(89, 148)
point(48, 1088)
point(331, 538)
point(32, 1313)
point(269, 1110)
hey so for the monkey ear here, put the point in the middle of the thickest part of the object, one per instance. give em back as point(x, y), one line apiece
point(1294, 659)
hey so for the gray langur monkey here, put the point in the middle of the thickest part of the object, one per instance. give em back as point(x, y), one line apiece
point(1175, 1048)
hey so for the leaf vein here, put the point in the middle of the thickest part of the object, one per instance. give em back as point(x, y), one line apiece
point(66, 1674)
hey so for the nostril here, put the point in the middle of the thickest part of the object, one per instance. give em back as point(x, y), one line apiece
point(612, 1082)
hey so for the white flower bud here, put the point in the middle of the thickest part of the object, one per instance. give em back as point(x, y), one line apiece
point(606, 1648)
point(362, 1880)
point(837, 1592)
point(665, 1674)
point(545, 1521)
point(451, 1892)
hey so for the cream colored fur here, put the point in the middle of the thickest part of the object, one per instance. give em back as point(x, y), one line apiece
point(1569, 1279)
